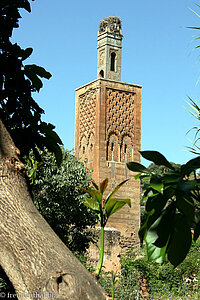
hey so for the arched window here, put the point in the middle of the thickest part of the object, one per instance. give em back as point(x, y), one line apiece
point(101, 73)
point(126, 149)
point(112, 151)
point(112, 62)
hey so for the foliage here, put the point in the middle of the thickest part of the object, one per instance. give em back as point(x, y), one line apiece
point(60, 203)
point(165, 281)
point(104, 208)
point(161, 281)
point(18, 110)
point(170, 199)
point(114, 279)
point(196, 113)
point(156, 170)
point(127, 286)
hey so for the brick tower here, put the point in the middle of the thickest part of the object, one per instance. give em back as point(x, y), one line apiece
point(108, 128)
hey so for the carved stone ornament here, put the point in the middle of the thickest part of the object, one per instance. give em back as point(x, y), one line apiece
point(110, 24)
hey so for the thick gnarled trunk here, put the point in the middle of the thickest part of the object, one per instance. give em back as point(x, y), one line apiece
point(33, 257)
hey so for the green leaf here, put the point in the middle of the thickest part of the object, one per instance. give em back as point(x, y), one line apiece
point(138, 176)
point(103, 185)
point(154, 252)
point(180, 240)
point(186, 185)
point(185, 204)
point(156, 184)
point(150, 219)
point(115, 190)
point(136, 167)
point(91, 203)
point(144, 198)
point(157, 202)
point(171, 178)
point(190, 166)
point(164, 232)
point(114, 205)
point(144, 178)
point(157, 158)
point(95, 194)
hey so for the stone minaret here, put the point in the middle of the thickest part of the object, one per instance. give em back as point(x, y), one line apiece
point(109, 44)
point(108, 127)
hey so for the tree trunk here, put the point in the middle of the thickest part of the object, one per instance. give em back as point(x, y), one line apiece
point(33, 257)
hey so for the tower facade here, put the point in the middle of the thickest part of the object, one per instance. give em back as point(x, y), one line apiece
point(108, 128)
point(109, 44)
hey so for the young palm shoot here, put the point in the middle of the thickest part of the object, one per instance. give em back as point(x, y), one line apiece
point(104, 207)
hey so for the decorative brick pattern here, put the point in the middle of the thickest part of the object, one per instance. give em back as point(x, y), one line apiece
point(119, 125)
point(87, 112)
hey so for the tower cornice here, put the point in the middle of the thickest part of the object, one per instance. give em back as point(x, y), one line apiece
point(99, 80)
point(110, 25)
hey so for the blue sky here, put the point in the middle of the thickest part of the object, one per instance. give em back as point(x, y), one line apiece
point(157, 53)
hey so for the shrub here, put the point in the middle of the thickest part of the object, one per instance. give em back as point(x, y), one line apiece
point(60, 203)
point(162, 281)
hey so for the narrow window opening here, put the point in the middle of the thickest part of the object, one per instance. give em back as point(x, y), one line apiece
point(112, 62)
point(107, 150)
point(125, 148)
point(125, 152)
point(112, 146)
point(101, 73)
point(112, 150)
point(83, 149)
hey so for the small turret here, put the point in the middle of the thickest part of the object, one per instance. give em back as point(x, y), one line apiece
point(109, 44)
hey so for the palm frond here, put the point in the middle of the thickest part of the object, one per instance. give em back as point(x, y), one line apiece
point(195, 12)
point(195, 107)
